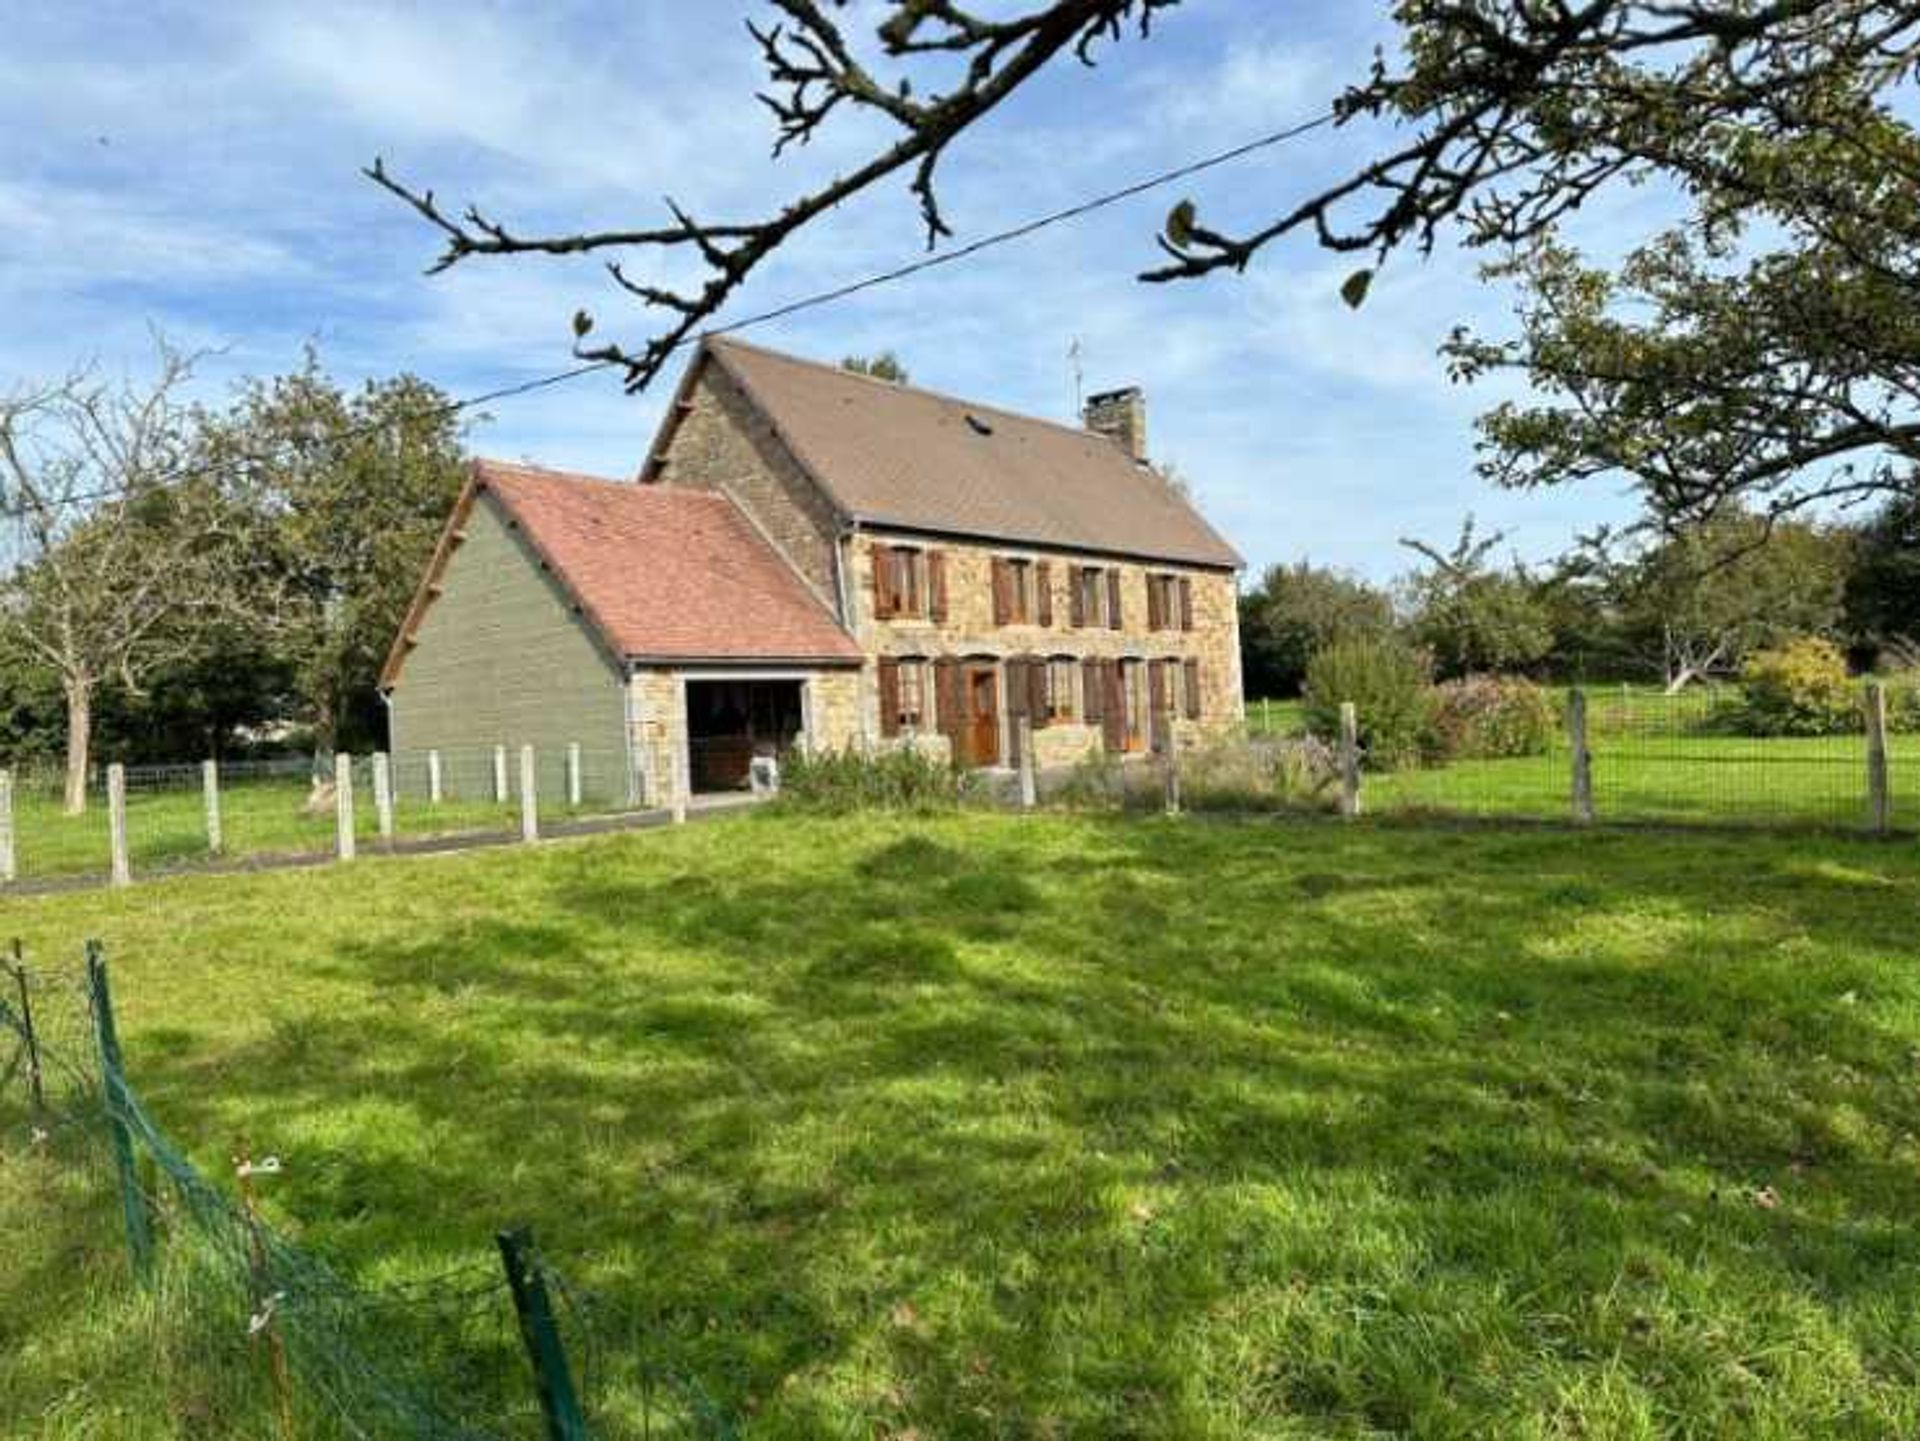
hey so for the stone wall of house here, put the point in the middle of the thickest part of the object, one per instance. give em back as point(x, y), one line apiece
point(969, 630)
point(723, 443)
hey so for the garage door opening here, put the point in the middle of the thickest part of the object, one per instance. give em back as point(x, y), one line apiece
point(729, 722)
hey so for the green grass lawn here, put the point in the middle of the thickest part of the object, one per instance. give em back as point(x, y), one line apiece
point(988, 1126)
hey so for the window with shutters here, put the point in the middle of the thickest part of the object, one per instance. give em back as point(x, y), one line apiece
point(1090, 594)
point(1162, 601)
point(1061, 671)
point(1016, 591)
point(908, 583)
point(903, 695)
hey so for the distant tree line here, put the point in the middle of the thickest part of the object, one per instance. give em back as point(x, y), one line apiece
point(1672, 606)
point(185, 580)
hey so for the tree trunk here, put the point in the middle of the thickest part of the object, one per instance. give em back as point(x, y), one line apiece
point(79, 742)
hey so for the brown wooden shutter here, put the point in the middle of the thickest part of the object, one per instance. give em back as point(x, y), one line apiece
point(1092, 689)
point(1114, 719)
point(946, 699)
point(1186, 603)
point(1114, 618)
point(997, 572)
point(1155, 609)
point(889, 696)
point(1076, 603)
point(1014, 671)
point(1192, 678)
point(1037, 690)
point(1043, 593)
point(937, 585)
point(882, 581)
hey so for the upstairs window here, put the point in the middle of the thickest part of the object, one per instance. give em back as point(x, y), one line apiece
point(1169, 602)
point(909, 582)
point(1095, 595)
point(1022, 591)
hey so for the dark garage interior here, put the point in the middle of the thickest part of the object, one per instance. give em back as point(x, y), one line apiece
point(729, 722)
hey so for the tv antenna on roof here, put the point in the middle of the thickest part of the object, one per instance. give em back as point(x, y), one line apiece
point(1079, 379)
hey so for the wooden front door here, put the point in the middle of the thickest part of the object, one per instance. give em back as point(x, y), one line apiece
point(980, 722)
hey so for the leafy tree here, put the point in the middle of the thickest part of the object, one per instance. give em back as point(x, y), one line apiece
point(359, 484)
point(884, 366)
point(1471, 616)
point(127, 553)
point(1781, 339)
point(1297, 611)
point(1882, 591)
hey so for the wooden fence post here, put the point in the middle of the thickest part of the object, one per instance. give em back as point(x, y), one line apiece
point(573, 775)
point(1349, 760)
point(1023, 743)
point(433, 777)
point(529, 802)
point(9, 856)
point(1879, 793)
point(113, 1083)
point(500, 775)
point(121, 872)
point(383, 794)
point(551, 1376)
point(210, 795)
point(343, 804)
point(1582, 756)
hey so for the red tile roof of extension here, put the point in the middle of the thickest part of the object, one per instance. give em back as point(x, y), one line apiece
point(660, 574)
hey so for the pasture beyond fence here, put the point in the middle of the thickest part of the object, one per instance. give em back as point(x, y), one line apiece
point(278, 1342)
point(163, 817)
point(1625, 755)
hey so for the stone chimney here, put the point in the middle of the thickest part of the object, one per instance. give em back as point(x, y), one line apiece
point(1121, 416)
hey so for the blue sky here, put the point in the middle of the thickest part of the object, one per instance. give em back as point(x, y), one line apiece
point(196, 168)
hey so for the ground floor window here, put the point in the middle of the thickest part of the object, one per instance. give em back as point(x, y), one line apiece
point(1060, 681)
point(903, 694)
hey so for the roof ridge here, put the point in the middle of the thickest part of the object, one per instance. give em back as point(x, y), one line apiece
point(581, 478)
point(899, 385)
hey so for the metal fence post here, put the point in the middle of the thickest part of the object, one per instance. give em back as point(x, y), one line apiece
point(35, 1089)
point(383, 794)
point(433, 777)
point(210, 792)
point(121, 870)
point(529, 802)
point(343, 804)
point(573, 775)
point(260, 1283)
point(551, 1375)
point(1349, 760)
point(500, 775)
point(9, 859)
point(1582, 756)
point(133, 1202)
point(1879, 793)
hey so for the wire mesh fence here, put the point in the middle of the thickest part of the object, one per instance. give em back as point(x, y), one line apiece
point(168, 817)
point(1649, 757)
point(264, 1337)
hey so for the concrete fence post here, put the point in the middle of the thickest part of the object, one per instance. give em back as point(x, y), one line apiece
point(1349, 760)
point(433, 777)
point(122, 868)
point(574, 785)
point(500, 775)
point(1582, 756)
point(1170, 776)
point(1023, 749)
point(343, 804)
point(9, 857)
point(383, 794)
point(210, 796)
point(529, 802)
point(1879, 793)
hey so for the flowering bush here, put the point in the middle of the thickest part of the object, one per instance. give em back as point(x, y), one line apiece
point(1799, 689)
point(1488, 717)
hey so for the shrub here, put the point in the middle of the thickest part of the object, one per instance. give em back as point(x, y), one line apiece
point(1488, 717)
point(899, 779)
point(1300, 774)
point(1387, 682)
point(1799, 689)
point(1903, 702)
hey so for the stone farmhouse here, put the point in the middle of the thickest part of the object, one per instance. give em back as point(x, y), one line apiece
point(816, 557)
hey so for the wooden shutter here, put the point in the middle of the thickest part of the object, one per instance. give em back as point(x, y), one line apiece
point(1192, 677)
point(998, 572)
point(882, 581)
point(946, 699)
point(1014, 671)
point(1092, 690)
point(936, 585)
point(1115, 714)
point(1156, 609)
point(1113, 599)
point(1043, 593)
point(889, 696)
point(1037, 690)
point(1186, 602)
point(1076, 603)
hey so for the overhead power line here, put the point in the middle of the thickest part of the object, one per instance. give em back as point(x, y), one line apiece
point(449, 408)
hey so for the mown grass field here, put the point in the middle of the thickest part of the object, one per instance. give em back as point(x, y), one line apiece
point(1653, 761)
point(989, 1126)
